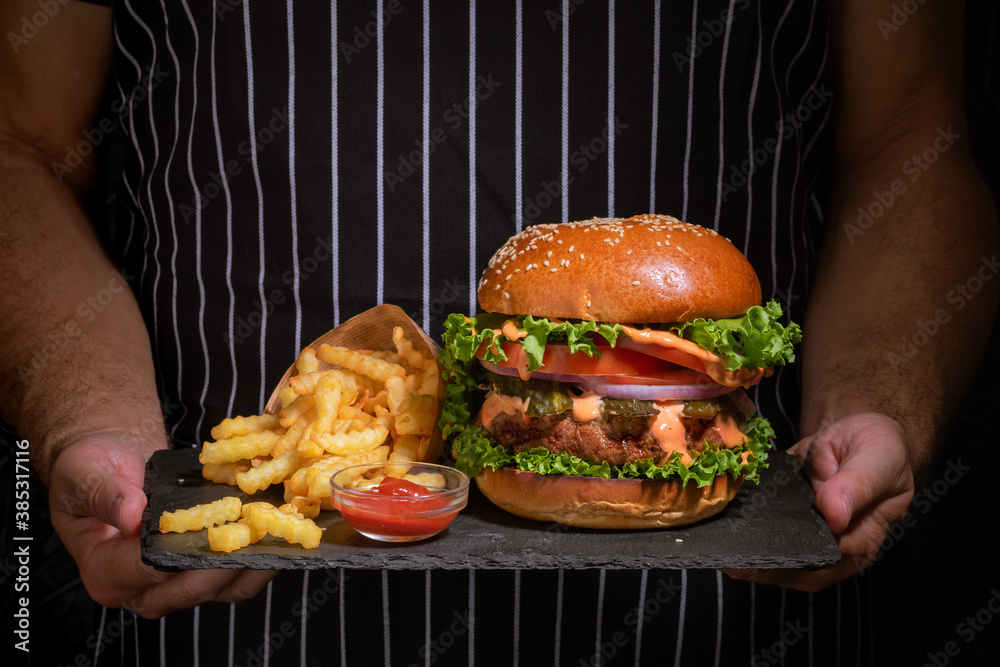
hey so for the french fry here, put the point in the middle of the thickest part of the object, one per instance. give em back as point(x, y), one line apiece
point(429, 379)
point(236, 426)
point(378, 399)
point(241, 447)
point(296, 485)
point(416, 415)
point(404, 347)
point(291, 528)
point(232, 536)
point(293, 435)
point(343, 444)
point(321, 489)
point(295, 410)
point(419, 403)
point(434, 480)
point(361, 363)
point(201, 516)
point(352, 412)
point(289, 508)
point(320, 486)
point(270, 472)
point(404, 450)
point(395, 389)
point(307, 507)
point(224, 473)
point(385, 355)
point(425, 445)
point(286, 395)
point(328, 399)
point(306, 383)
point(307, 361)
point(414, 423)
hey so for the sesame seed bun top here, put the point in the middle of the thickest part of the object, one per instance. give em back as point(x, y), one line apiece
point(648, 268)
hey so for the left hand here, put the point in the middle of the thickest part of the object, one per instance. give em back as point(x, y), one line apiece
point(862, 476)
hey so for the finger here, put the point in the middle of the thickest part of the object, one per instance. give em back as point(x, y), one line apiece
point(114, 574)
point(869, 472)
point(188, 589)
point(91, 479)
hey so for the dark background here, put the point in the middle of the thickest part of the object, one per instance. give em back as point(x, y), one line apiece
point(931, 578)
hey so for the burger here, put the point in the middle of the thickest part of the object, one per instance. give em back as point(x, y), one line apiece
point(603, 384)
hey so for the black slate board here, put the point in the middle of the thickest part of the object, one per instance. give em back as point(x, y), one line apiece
point(767, 526)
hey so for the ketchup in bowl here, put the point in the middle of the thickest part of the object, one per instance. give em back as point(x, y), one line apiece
point(399, 508)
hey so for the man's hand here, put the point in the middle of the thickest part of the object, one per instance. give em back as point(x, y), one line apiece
point(96, 501)
point(861, 474)
point(895, 98)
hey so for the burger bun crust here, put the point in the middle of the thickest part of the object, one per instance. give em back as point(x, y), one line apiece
point(591, 502)
point(644, 269)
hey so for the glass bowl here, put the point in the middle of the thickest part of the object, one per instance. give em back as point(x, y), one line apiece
point(399, 501)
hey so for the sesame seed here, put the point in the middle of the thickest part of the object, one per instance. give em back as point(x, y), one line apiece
point(559, 242)
point(629, 252)
point(607, 240)
point(635, 282)
point(659, 245)
point(506, 295)
point(498, 272)
point(546, 262)
point(548, 254)
point(588, 304)
point(571, 248)
point(581, 255)
point(508, 276)
point(554, 270)
point(517, 270)
point(496, 288)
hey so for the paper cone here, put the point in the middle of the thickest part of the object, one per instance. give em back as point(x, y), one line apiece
point(372, 330)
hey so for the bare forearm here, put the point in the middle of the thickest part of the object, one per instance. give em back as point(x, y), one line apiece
point(907, 291)
point(74, 353)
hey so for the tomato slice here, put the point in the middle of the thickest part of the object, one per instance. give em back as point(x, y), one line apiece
point(613, 361)
point(671, 354)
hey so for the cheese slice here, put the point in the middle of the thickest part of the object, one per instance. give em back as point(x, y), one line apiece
point(713, 365)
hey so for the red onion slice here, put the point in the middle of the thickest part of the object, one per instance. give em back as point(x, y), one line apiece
point(647, 392)
point(660, 392)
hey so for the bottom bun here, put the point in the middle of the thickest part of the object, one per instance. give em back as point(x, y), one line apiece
point(590, 502)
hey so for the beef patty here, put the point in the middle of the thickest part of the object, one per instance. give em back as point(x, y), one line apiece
point(606, 438)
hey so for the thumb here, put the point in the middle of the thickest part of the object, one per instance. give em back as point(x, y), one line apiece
point(868, 462)
point(100, 478)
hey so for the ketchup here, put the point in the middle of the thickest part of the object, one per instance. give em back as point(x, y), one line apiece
point(398, 508)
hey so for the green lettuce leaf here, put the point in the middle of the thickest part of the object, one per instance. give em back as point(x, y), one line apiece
point(464, 336)
point(756, 340)
point(474, 451)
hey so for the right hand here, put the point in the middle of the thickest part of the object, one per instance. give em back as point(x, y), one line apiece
point(96, 501)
